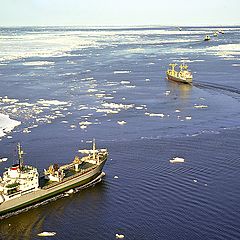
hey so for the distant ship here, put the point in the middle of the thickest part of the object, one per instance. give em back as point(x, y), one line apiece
point(207, 38)
point(21, 186)
point(183, 76)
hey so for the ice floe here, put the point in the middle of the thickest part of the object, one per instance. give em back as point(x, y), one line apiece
point(51, 102)
point(177, 160)
point(154, 114)
point(85, 123)
point(8, 100)
point(136, 50)
point(121, 71)
point(3, 159)
point(46, 234)
point(125, 82)
point(7, 124)
point(100, 95)
point(225, 50)
point(119, 236)
point(121, 122)
point(26, 130)
point(167, 92)
point(38, 63)
point(117, 105)
point(107, 111)
point(200, 106)
point(139, 108)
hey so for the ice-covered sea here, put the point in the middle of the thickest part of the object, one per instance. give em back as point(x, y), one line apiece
point(61, 87)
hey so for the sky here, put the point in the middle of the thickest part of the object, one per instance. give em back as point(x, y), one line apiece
point(119, 12)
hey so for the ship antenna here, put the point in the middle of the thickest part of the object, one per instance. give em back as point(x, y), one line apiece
point(20, 155)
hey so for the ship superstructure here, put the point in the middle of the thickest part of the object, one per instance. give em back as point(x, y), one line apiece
point(18, 180)
point(21, 185)
point(183, 76)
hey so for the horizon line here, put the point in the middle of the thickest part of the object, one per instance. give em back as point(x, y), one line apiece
point(122, 26)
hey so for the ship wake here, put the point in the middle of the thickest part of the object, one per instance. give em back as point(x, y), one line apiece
point(215, 86)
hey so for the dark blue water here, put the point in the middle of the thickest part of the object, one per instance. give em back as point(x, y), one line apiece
point(73, 84)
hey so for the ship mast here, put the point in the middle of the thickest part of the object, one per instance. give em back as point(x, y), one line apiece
point(94, 149)
point(20, 155)
point(173, 65)
point(183, 66)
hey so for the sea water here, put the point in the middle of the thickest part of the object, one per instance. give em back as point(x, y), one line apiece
point(62, 87)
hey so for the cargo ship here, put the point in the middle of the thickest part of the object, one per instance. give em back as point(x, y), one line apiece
point(183, 76)
point(21, 186)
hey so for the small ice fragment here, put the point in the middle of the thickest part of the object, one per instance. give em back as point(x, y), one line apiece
point(200, 106)
point(121, 122)
point(205, 184)
point(195, 180)
point(177, 160)
point(119, 236)
point(70, 191)
point(116, 177)
point(3, 159)
point(125, 82)
point(188, 118)
point(64, 121)
point(51, 102)
point(85, 123)
point(83, 126)
point(46, 234)
point(100, 95)
point(26, 130)
point(121, 71)
point(167, 92)
point(155, 114)
point(147, 79)
point(73, 126)
point(177, 110)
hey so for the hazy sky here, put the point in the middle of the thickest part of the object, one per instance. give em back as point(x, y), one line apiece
point(119, 12)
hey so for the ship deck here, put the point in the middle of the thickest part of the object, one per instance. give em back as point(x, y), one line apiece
point(69, 173)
